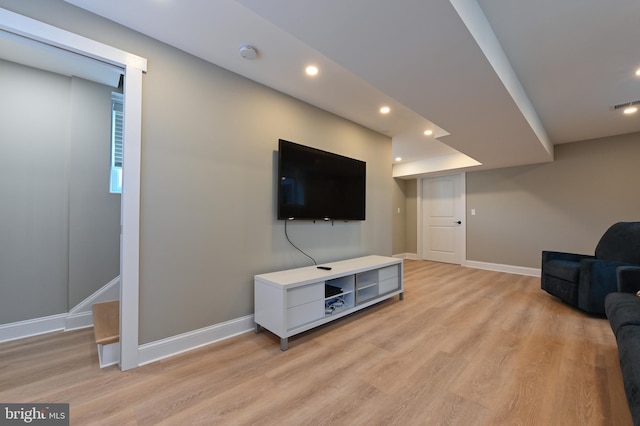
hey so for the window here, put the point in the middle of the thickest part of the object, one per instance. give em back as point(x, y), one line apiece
point(117, 118)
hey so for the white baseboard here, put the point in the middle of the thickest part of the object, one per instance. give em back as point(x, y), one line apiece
point(411, 256)
point(32, 327)
point(160, 349)
point(519, 270)
point(81, 315)
point(78, 321)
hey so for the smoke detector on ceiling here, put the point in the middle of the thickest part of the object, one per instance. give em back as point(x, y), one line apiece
point(248, 52)
point(626, 105)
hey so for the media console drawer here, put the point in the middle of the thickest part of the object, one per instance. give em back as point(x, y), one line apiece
point(304, 314)
point(388, 285)
point(305, 294)
point(388, 272)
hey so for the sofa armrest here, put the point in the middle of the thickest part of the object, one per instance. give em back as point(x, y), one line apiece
point(597, 279)
point(628, 279)
point(557, 255)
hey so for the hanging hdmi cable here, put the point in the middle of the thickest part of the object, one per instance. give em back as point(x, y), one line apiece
point(296, 247)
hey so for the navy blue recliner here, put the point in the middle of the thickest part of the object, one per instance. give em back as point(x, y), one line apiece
point(583, 281)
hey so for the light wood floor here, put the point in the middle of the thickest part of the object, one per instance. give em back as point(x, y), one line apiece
point(465, 347)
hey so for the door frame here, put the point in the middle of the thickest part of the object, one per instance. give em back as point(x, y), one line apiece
point(133, 67)
point(462, 236)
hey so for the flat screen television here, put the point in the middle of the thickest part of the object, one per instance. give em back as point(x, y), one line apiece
point(319, 185)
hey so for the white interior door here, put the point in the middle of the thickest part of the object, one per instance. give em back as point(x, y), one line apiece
point(442, 214)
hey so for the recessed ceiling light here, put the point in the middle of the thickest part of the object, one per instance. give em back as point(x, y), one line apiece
point(428, 132)
point(630, 110)
point(311, 70)
point(638, 72)
point(385, 110)
point(398, 158)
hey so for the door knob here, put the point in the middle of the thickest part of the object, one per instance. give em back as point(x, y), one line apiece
point(459, 222)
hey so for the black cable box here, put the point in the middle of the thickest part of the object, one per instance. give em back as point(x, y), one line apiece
point(331, 290)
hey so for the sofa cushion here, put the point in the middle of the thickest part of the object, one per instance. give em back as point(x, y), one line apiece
point(628, 339)
point(622, 309)
point(563, 269)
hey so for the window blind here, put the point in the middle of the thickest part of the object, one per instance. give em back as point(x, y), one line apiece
point(117, 127)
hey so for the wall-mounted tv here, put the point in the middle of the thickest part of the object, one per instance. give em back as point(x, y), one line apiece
point(319, 185)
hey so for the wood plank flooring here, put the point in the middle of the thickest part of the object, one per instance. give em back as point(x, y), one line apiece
point(465, 347)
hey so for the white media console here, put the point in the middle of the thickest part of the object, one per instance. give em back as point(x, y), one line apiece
point(296, 300)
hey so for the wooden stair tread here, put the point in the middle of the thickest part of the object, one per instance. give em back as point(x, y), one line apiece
point(106, 322)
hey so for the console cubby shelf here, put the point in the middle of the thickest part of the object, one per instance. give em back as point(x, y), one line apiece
point(293, 301)
point(344, 293)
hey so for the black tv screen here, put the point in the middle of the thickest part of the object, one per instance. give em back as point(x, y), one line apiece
point(319, 185)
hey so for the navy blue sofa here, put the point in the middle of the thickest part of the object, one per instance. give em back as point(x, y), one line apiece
point(623, 311)
point(583, 281)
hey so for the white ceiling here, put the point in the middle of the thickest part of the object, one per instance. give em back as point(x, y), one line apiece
point(498, 81)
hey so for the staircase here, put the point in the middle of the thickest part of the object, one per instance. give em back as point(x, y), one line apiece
point(106, 329)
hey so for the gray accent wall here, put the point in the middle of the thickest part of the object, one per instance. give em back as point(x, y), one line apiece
point(208, 192)
point(94, 212)
point(59, 233)
point(209, 142)
point(405, 231)
point(565, 205)
point(411, 230)
point(34, 192)
point(399, 214)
